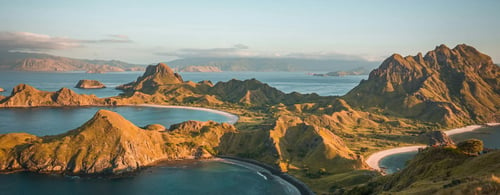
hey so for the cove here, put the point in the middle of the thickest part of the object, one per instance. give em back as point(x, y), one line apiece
point(42, 121)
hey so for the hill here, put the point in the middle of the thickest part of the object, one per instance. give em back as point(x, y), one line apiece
point(108, 144)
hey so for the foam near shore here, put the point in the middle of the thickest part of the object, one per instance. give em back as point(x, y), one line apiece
point(232, 118)
point(290, 189)
point(374, 160)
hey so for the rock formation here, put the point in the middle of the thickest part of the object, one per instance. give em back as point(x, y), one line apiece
point(108, 144)
point(2, 90)
point(449, 86)
point(89, 84)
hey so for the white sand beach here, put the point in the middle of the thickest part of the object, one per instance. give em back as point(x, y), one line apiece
point(232, 118)
point(374, 159)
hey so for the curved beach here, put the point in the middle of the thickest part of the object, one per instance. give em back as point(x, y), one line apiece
point(374, 159)
point(232, 118)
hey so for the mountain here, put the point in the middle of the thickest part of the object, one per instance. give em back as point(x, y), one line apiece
point(108, 144)
point(452, 87)
point(274, 64)
point(154, 77)
point(17, 61)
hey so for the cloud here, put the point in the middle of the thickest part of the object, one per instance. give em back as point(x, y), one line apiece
point(26, 41)
point(238, 50)
point(111, 39)
point(241, 50)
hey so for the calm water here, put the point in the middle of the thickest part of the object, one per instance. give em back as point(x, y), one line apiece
point(202, 177)
point(285, 81)
point(489, 135)
point(51, 121)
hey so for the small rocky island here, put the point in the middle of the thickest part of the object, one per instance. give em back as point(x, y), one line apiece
point(2, 90)
point(89, 84)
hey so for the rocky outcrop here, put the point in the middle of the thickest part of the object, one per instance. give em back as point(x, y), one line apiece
point(153, 78)
point(437, 138)
point(108, 144)
point(452, 87)
point(27, 96)
point(89, 84)
point(200, 69)
point(2, 90)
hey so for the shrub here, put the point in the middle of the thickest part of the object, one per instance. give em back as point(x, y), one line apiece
point(471, 146)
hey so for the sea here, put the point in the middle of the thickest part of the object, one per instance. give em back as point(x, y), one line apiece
point(198, 177)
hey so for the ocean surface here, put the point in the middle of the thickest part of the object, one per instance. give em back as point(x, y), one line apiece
point(200, 177)
point(489, 135)
point(285, 81)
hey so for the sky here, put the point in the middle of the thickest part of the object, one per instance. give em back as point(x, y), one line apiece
point(151, 31)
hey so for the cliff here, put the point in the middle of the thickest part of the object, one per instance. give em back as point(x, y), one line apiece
point(108, 144)
point(89, 84)
point(452, 87)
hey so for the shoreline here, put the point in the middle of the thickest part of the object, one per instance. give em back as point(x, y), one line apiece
point(374, 159)
point(291, 184)
point(232, 117)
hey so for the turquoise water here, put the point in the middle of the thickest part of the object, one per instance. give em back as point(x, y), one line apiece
point(285, 81)
point(202, 177)
point(489, 135)
point(51, 121)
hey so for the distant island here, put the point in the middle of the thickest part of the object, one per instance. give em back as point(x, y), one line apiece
point(274, 64)
point(199, 69)
point(321, 140)
point(35, 62)
point(357, 71)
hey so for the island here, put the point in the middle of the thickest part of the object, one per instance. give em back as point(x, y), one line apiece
point(89, 84)
point(322, 141)
point(2, 90)
point(200, 69)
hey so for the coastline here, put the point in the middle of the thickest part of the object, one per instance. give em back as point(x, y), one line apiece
point(232, 117)
point(374, 159)
point(291, 184)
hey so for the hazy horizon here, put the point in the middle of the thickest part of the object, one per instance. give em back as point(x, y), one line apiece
point(153, 31)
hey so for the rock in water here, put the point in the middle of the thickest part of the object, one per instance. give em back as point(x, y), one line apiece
point(2, 90)
point(89, 84)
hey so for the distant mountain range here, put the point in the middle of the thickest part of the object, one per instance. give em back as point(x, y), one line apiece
point(36, 62)
point(274, 64)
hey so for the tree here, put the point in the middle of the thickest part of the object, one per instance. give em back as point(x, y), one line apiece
point(471, 146)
